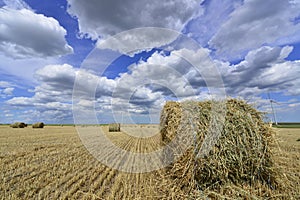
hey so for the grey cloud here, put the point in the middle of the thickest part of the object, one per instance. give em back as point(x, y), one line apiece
point(264, 69)
point(256, 62)
point(262, 58)
point(55, 89)
point(57, 76)
point(138, 40)
point(257, 23)
point(57, 81)
point(103, 18)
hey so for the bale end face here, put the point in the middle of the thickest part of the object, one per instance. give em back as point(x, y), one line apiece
point(115, 127)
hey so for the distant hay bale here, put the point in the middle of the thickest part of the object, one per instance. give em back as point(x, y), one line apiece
point(115, 127)
point(18, 125)
point(38, 125)
point(240, 155)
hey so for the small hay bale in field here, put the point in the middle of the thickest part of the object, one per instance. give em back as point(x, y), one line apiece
point(115, 127)
point(240, 155)
point(38, 125)
point(18, 125)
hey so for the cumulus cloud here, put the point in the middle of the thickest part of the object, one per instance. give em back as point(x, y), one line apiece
point(263, 70)
point(8, 91)
point(24, 34)
point(100, 19)
point(103, 18)
point(256, 23)
point(57, 76)
point(138, 40)
point(21, 101)
point(55, 88)
point(181, 74)
point(148, 84)
point(4, 84)
point(142, 89)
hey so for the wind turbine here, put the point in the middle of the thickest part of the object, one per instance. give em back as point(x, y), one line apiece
point(273, 110)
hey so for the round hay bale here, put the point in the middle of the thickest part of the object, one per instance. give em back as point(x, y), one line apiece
point(18, 125)
point(241, 155)
point(38, 125)
point(115, 127)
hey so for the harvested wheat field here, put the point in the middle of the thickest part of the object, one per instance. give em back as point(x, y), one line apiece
point(52, 163)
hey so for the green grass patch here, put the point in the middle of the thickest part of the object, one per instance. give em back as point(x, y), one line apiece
point(287, 126)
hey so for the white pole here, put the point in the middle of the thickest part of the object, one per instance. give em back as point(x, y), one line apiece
point(273, 110)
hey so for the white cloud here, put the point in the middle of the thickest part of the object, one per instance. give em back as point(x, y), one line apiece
point(9, 115)
point(56, 84)
point(256, 23)
point(8, 91)
point(168, 75)
point(145, 87)
point(216, 12)
point(263, 70)
point(20, 101)
point(101, 19)
point(130, 91)
point(4, 84)
point(16, 4)
point(58, 76)
point(104, 18)
point(24, 34)
point(138, 40)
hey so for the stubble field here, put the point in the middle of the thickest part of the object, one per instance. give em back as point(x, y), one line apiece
point(52, 163)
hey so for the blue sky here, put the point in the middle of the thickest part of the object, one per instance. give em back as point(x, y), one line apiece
point(56, 57)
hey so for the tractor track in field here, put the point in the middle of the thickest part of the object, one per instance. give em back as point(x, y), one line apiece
point(56, 165)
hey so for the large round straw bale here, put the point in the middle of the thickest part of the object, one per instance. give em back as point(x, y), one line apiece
point(169, 121)
point(115, 127)
point(38, 125)
point(18, 125)
point(240, 155)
